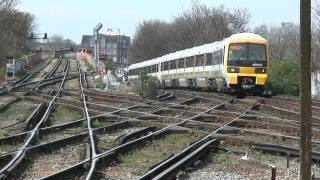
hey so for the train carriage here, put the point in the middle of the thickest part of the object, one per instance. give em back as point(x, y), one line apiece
point(237, 63)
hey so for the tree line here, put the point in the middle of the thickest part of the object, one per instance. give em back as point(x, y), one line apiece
point(199, 25)
point(16, 26)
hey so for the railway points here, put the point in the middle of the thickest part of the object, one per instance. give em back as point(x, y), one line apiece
point(57, 125)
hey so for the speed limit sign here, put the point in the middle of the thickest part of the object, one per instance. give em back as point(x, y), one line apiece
point(119, 72)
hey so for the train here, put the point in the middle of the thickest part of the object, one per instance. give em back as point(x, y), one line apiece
point(235, 64)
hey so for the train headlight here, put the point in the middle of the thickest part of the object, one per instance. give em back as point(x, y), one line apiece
point(261, 70)
point(233, 70)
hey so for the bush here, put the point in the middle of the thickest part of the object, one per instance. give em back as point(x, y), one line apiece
point(2, 74)
point(146, 86)
point(284, 77)
point(99, 83)
point(21, 73)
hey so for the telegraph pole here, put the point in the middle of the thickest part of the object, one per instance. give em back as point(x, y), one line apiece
point(305, 89)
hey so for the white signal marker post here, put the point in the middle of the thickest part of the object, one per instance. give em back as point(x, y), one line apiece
point(305, 89)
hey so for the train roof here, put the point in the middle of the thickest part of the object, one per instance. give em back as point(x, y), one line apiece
point(246, 36)
point(206, 48)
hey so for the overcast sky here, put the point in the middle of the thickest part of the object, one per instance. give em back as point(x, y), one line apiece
point(73, 18)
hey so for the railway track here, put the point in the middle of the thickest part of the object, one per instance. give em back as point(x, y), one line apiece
point(65, 129)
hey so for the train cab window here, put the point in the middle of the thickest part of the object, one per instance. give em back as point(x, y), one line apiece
point(181, 63)
point(247, 54)
point(199, 60)
point(209, 59)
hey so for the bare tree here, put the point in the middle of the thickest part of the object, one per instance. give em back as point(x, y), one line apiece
point(204, 24)
point(199, 25)
point(15, 28)
point(283, 40)
point(8, 4)
point(315, 55)
point(150, 40)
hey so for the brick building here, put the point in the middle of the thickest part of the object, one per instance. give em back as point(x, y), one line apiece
point(113, 45)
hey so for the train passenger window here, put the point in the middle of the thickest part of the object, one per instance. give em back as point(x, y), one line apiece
point(162, 66)
point(217, 58)
point(173, 64)
point(189, 61)
point(181, 63)
point(222, 55)
point(214, 58)
point(199, 60)
point(153, 68)
point(209, 59)
point(157, 67)
point(166, 66)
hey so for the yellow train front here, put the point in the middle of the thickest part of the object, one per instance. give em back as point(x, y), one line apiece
point(246, 64)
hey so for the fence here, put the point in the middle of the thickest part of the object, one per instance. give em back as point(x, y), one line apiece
point(15, 65)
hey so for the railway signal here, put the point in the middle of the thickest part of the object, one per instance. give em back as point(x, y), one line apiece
point(37, 36)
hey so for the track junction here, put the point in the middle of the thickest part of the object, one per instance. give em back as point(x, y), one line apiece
point(56, 125)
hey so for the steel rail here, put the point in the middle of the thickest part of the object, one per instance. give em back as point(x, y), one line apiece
point(169, 167)
point(93, 154)
point(20, 153)
point(49, 74)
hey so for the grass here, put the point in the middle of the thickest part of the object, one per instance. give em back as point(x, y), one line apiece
point(61, 114)
point(99, 83)
point(154, 152)
point(72, 84)
point(96, 124)
point(256, 167)
point(219, 156)
point(14, 113)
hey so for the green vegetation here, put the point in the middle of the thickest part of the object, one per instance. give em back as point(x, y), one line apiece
point(88, 66)
point(86, 165)
point(2, 74)
point(96, 124)
point(284, 77)
point(219, 156)
point(111, 66)
point(99, 83)
point(146, 86)
point(21, 73)
point(61, 114)
point(142, 159)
